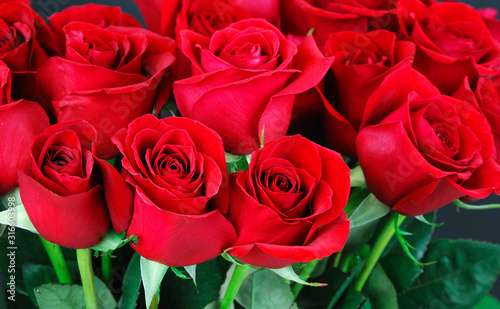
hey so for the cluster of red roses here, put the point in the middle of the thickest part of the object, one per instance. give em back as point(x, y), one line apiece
point(409, 88)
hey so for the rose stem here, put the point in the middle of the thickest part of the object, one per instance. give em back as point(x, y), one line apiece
point(84, 258)
point(336, 260)
point(304, 275)
point(378, 248)
point(345, 263)
point(57, 259)
point(106, 265)
point(239, 275)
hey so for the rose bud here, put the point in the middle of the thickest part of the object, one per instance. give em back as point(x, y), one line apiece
point(99, 15)
point(452, 42)
point(244, 80)
point(334, 16)
point(108, 77)
point(178, 170)
point(362, 61)
point(67, 190)
point(26, 44)
point(420, 150)
point(169, 17)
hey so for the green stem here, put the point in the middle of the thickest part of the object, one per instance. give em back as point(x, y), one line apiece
point(84, 257)
point(463, 205)
point(379, 246)
point(57, 259)
point(239, 275)
point(336, 260)
point(304, 275)
point(106, 265)
point(345, 263)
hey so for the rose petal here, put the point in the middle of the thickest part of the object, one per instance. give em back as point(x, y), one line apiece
point(331, 238)
point(162, 235)
point(76, 221)
point(31, 120)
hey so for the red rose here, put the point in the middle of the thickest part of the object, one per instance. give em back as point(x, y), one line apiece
point(169, 17)
point(288, 207)
point(266, 9)
point(332, 16)
point(490, 19)
point(27, 2)
point(362, 61)
point(244, 80)
point(452, 41)
point(20, 122)
point(100, 15)
point(109, 77)
point(67, 190)
point(420, 150)
point(486, 97)
point(25, 45)
point(207, 16)
point(178, 169)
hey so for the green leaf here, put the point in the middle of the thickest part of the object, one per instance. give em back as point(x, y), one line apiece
point(17, 217)
point(179, 293)
point(488, 302)
point(357, 177)
point(423, 219)
point(131, 284)
point(328, 296)
point(401, 270)
point(406, 245)
point(359, 236)
point(369, 210)
point(215, 305)
point(463, 273)
point(49, 296)
point(152, 274)
point(231, 259)
point(13, 198)
point(35, 275)
point(288, 273)
point(70, 296)
point(29, 250)
point(356, 197)
point(112, 241)
point(105, 299)
point(353, 299)
point(265, 290)
point(191, 270)
point(179, 273)
point(419, 239)
point(381, 291)
point(236, 163)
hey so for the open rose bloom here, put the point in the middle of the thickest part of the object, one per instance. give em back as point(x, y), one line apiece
point(290, 198)
point(249, 154)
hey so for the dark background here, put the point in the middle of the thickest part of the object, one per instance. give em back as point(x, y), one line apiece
point(475, 224)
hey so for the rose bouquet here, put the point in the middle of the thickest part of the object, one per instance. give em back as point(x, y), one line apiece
point(246, 154)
